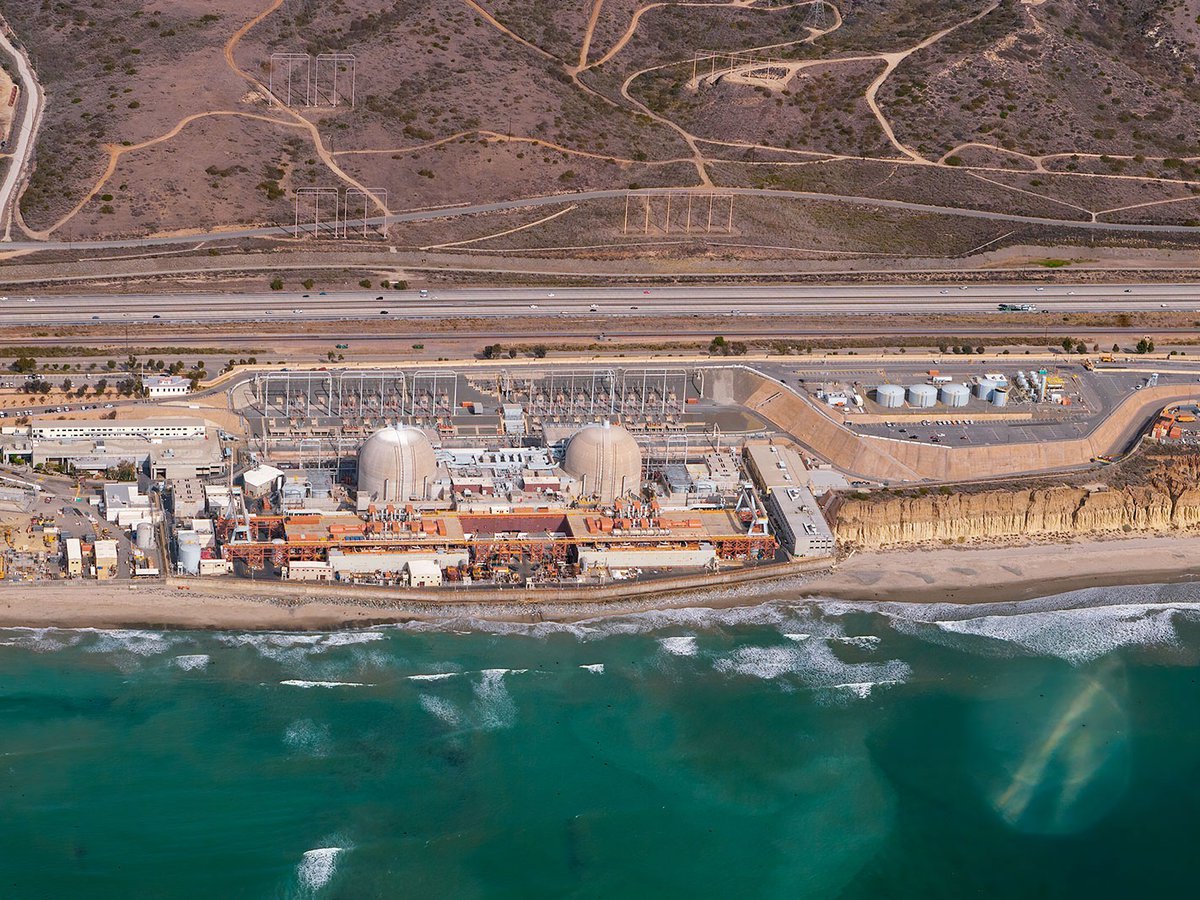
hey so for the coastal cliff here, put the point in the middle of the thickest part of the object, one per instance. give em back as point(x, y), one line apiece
point(1168, 499)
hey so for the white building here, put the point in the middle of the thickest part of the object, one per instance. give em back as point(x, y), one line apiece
point(69, 429)
point(74, 558)
point(261, 481)
point(166, 385)
point(125, 505)
point(106, 559)
point(423, 573)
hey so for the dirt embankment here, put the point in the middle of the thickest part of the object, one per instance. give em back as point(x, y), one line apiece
point(1168, 500)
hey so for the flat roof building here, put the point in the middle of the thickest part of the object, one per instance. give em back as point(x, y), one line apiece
point(166, 385)
point(106, 559)
point(187, 498)
point(68, 429)
point(124, 497)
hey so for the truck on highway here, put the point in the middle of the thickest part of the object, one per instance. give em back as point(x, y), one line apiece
point(1017, 307)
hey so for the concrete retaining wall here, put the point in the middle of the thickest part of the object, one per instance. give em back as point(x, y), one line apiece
point(890, 459)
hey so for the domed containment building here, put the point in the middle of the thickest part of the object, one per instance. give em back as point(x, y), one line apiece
point(606, 461)
point(396, 464)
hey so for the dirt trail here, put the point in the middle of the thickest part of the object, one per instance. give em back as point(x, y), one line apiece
point(893, 60)
point(587, 36)
point(116, 151)
point(501, 138)
point(318, 144)
point(499, 234)
point(508, 32)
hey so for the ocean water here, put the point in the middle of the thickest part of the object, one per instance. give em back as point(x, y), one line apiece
point(789, 750)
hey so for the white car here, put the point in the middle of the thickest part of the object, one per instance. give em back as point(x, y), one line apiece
point(593, 308)
point(297, 312)
point(533, 306)
point(30, 300)
point(1039, 289)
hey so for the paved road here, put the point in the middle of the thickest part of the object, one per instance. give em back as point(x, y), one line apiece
point(513, 303)
point(24, 130)
point(583, 196)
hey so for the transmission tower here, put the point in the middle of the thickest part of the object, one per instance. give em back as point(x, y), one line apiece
point(334, 77)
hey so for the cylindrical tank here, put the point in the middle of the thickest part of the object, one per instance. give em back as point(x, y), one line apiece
point(1000, 397)
point(189, 556)
point(956, 394)
point(1022, 381)
point(145, 536)
point(890, 396)
point(984, 388)
point(922, 396)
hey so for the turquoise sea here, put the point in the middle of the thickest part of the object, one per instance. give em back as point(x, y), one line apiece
point(789, 750)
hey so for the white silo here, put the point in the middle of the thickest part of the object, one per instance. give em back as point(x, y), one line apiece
point(984, 388)
point(956, 394)
point(922, 396)
point(890, 396)
point(189, 554)
point(1000, 397)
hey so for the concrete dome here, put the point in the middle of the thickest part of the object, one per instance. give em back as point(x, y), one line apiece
point(396, 464)
point(606, 460)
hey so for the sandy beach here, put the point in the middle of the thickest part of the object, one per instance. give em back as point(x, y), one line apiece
point(972, 575)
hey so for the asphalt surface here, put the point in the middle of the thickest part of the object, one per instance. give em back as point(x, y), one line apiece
point(21, 136)
point(512, 303)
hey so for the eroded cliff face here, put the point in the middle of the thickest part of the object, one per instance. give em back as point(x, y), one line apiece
point(1169, 499)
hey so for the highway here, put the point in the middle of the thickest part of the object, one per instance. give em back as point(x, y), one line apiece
point(512, 304)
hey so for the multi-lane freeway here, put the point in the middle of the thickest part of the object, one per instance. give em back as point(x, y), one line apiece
point(512, 304)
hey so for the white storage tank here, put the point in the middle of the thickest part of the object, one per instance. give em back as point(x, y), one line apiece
point(189, 555)
point(145, 536)
point(922, 396)
point(984, 388)
point(956, 394)
point(890, 396)
point(1000, 397)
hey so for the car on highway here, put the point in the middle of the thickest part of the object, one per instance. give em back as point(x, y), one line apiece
point(943, 291)
point(645, 292)
point(3, 299)
point(31, 300)
point(97, 318)
point(297, 311)
point(533, 306)
point(383, 312)
point(593, 308)
point(633, 307)
point(422, 293)
point(156, 316)
point(380, 297)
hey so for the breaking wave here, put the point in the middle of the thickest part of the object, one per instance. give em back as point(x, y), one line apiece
point(295, 682)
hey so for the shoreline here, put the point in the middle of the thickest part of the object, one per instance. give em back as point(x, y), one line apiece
point(910, 575)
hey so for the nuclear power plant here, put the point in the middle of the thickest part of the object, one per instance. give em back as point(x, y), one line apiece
point(563, 477)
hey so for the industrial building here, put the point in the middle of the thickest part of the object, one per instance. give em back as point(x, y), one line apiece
point(78, 429)
point(782, 476)
point(423, 512)
point(158, 386)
